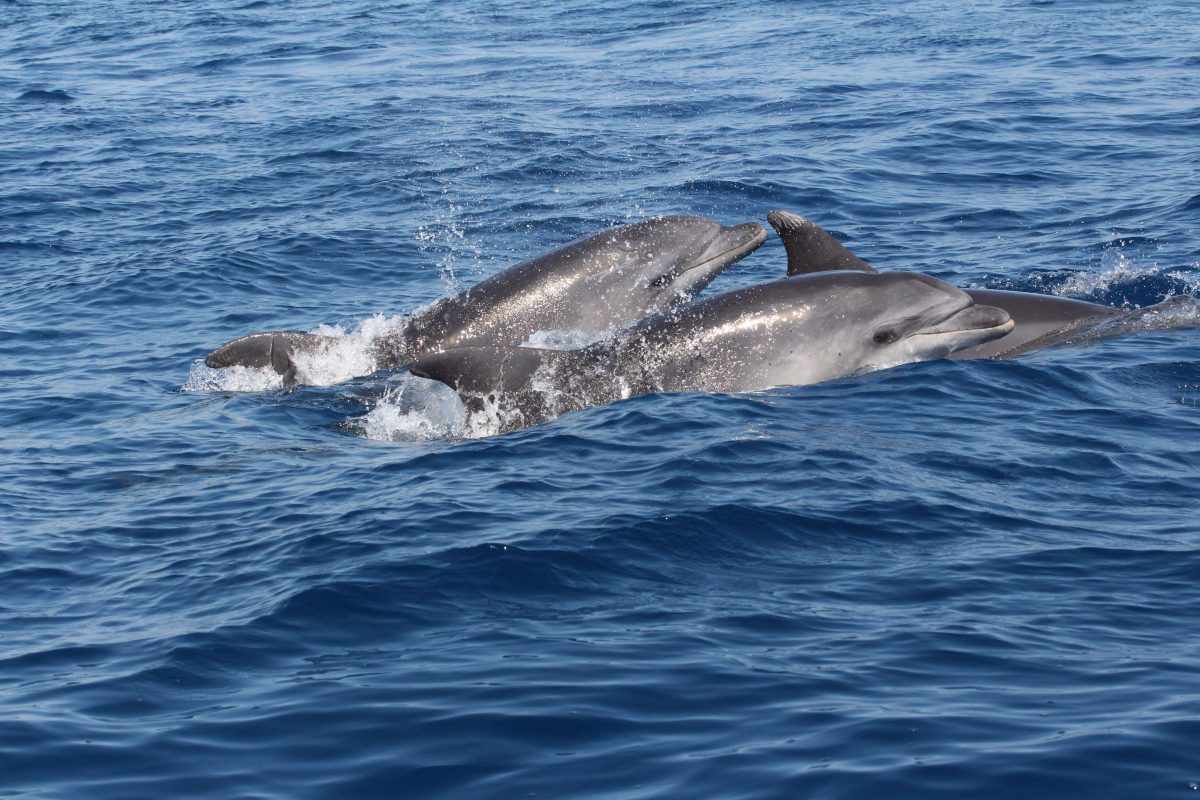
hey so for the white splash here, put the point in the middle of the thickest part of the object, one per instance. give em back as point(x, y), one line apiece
point(349, 353)
point(232, 379)
point(420, 410)
point(416, 410)
point(1116, 268)
point(488, 421)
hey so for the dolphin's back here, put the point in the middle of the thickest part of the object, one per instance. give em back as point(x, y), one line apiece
point(1041, 320)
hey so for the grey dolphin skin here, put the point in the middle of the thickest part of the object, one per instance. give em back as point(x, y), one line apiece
point(1040, 320)
point(602, 281)
point(791, 331)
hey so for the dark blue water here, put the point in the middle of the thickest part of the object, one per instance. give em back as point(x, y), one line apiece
point(952, 579)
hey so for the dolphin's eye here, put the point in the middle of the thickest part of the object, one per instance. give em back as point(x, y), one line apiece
point(884, 336)
point(661, 280)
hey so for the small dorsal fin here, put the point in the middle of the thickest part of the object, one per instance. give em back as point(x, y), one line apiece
point(811, 249)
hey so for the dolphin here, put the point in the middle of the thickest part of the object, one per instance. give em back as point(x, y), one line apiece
point(596, 283)
point(791, 331)
point(1040, 320)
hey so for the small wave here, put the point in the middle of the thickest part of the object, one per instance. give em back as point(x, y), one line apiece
point(1191, 204)
point(43, 96)
point(328, 156)
point(218, 64)
point(24, 246)
point(761, 190)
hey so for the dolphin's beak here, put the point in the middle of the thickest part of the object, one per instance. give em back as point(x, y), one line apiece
point(974, 318)
point(731, 244)
point(728, 246)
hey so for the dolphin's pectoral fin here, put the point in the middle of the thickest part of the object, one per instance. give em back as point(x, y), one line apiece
point(274, 349)
point(521, 385)
point(811, 249)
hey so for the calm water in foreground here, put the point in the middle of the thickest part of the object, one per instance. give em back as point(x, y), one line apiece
point(948, 580)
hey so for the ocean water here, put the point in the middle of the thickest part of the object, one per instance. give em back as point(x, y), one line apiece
point(946, 580)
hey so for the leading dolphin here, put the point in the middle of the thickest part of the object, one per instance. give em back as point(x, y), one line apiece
point(602, 281)
point(791, 331)
point(1040, 320)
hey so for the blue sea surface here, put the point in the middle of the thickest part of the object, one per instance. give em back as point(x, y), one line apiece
point(946, 580)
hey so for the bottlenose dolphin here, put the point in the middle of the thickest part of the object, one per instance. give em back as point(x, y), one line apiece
point(602, 281)
point(1040, 320)
point(791, 331)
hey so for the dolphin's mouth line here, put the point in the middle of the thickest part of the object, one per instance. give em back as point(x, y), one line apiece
point(1006, 326)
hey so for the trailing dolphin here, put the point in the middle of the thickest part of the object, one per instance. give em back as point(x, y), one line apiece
point(605, 280)
point(1040, 320)
point(791, 331)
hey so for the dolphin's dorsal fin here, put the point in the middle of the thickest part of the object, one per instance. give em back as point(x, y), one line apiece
point(811, 249)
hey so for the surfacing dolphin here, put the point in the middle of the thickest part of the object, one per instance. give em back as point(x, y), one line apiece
point(791, 331)
point(602, 281)
point(1040, 320)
